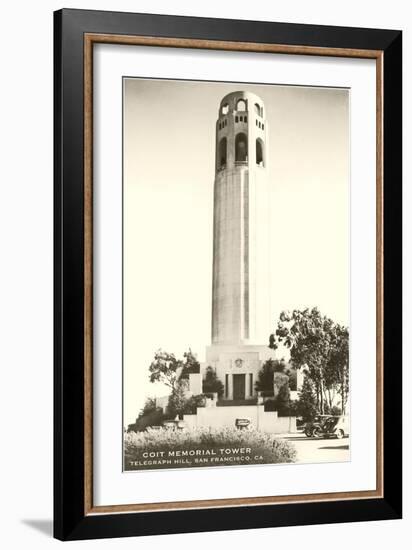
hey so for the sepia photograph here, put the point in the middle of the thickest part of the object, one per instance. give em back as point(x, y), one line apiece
point(236, 274)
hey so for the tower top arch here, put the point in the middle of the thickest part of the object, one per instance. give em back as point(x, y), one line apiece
point(241, 101)
point(241, 132)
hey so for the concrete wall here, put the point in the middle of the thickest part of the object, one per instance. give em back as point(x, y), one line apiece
point(286, 424)
point(190, 420)
point(218, 417)
point(237, 359)
point(195, 383)
point(162, 402)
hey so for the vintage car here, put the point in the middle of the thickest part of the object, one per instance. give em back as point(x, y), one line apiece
point(337, 426)
point(314, 427)
point(329, 426)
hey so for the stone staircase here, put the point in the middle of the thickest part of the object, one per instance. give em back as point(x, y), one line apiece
point(236, 402)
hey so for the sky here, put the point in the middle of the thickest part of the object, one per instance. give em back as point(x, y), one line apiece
point(169, 168)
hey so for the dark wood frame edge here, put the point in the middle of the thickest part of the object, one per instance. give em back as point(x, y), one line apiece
point(90, 515)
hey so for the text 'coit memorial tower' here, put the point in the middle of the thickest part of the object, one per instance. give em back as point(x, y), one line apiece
point(241, 255)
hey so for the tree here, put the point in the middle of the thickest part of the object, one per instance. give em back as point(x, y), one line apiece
point(192, 404)
point(319, 344)
point(265, 375)
point(149, 406)
point(282, 399)
point(150, 415)
point(177, 399)
point(293, 378)
point(306, 404)
point(164, 368)
point(279, 381)
point(211, 383)
point(190, 365)
point(167, 369)
point(337, 369)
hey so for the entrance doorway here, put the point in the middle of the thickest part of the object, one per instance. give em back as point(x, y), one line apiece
point(239, 386)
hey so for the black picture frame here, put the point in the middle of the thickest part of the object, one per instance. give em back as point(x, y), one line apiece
point(71, 522)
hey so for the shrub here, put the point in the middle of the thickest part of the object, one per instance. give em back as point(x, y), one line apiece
point(190, 365)
point(306, 405)
point(193, 403)
point(149, 406)
point(211, 383)
point(265, 375)
point(280, 380)
point(282, 401)
point(270, 405)
point(265, 448)
point(336, 411)
point(177, 400)
point(153, 417)
point(150, 415)
point(293, 379)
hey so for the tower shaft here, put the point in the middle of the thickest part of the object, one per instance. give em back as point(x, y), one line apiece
point(240, 303)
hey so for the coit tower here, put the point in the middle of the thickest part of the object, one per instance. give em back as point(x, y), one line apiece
point(241, 255)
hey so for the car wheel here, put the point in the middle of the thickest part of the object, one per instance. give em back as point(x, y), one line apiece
point(316, 432)
point(340, 434)
point(308, 433)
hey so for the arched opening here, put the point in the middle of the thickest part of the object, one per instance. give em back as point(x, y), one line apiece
point(225, 109)
point(222, 153)
point(241, 148)
point(257, 109)
point(259, 152)
point(241, 105)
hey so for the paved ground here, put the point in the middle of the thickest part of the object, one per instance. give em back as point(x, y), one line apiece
point(312, 449)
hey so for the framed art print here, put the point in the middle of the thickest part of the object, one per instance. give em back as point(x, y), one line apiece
point(227, 274)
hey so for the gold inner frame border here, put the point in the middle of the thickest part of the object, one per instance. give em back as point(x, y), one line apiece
point(93, 38)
